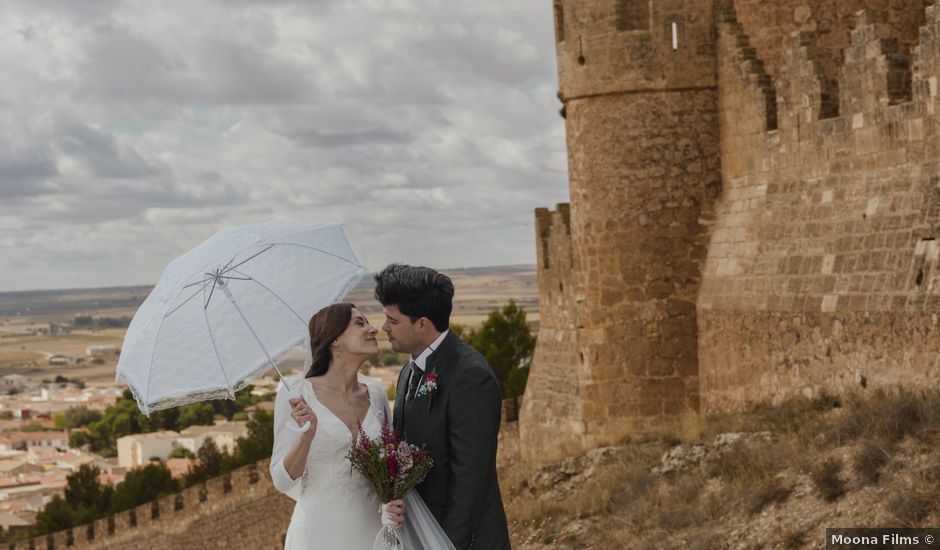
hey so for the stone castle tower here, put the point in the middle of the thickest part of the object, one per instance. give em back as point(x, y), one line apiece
point(753, 210)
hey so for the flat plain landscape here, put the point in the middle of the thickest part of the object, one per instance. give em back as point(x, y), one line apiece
point(26, 319)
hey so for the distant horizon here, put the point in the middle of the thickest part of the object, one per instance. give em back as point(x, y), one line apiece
point(151, 285)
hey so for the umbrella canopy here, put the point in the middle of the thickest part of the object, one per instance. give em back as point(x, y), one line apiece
point(222, 311)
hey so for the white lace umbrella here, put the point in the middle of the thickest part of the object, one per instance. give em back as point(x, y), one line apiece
point(221, 313)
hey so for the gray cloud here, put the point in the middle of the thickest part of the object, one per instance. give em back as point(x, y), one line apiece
point(137, 129)
point(25, 177)
point(313, 138)
point(101, 153)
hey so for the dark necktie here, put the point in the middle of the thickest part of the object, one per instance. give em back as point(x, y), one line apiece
point(413, 382)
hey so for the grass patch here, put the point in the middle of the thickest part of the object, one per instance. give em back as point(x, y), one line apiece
point(886, 416)
point(911, 507)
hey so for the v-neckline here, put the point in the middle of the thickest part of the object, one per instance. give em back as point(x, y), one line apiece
point(365, 417)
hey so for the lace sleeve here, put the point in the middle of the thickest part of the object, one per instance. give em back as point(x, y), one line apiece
point(284, 441)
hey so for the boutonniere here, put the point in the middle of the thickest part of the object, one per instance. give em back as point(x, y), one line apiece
point(428, 387)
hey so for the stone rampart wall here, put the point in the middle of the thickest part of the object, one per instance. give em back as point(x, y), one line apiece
point(821, 269)
point(551, 416)
point(239, 510)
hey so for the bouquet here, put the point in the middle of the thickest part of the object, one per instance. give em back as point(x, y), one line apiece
point(393, 467)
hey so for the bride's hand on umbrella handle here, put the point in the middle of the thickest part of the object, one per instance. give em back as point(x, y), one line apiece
point(302, 415)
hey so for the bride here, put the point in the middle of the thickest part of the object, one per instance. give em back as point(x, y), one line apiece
point(335, 506)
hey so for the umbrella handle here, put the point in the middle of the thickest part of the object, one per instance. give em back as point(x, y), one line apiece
point(298, 429)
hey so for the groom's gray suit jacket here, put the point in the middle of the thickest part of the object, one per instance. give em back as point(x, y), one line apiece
point(458, 425)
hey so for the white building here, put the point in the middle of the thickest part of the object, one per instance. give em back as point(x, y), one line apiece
point(101, 350)
point(64, 359)
point(14, 381)
point(137, 450)
point(223, 434)
point(23, 440)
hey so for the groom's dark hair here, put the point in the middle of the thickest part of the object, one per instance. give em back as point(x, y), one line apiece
point(417, 292)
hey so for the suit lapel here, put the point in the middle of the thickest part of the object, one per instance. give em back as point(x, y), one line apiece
point(438, 361)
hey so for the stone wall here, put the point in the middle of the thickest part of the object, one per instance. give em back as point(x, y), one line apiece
point(821, 267)
point(769, 24)
point(240, 510)
point(644, 174)
point(618, 337)
point(613, 46)
point(816, 267)
point(553, 415)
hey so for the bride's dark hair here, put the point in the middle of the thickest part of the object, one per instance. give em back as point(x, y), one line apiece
point(326, 326)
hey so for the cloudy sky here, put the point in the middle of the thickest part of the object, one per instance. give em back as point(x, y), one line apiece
point(133, 130)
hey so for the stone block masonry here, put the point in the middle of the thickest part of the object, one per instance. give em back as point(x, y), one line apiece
point(820, 272)
point(755, 210)
point(620, 270)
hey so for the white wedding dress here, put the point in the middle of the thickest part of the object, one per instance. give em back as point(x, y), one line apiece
point(336, 508)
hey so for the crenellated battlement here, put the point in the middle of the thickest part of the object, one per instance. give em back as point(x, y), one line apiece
point(238, 510)
point(876, 74)
point(736, 51)
point(556, 408)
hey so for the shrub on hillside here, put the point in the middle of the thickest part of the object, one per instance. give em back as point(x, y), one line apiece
point(827, 478)
point(769, 492)
point(868, 460)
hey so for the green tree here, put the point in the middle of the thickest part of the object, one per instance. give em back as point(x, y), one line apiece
point(55, 516)
point(210, 462)
point(181, 452)
point(85, 494)
point(210, 457)
point(459, 331)
point(78, 439)
point(506, 342)
point(259, 441)
point(143, 485)
point(77, 417)
point(196, 414)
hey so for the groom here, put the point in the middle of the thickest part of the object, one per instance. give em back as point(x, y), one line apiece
point(448, 400)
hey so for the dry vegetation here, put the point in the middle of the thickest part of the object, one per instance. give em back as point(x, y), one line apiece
point(773, 476)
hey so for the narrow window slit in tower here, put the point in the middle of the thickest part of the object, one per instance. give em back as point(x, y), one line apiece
point(675, 37)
